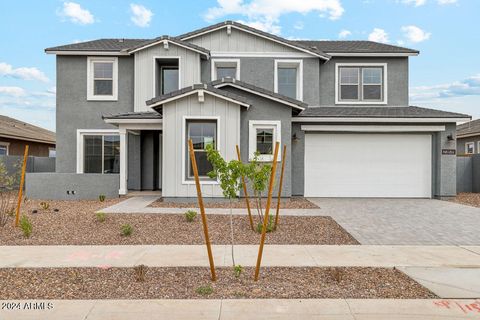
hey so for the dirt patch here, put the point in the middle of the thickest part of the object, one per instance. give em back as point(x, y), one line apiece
point(184, 283)
point(290, 203)
point(76, 224)
point(469, 199)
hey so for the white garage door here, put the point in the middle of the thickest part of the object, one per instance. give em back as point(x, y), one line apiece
point(368, 165)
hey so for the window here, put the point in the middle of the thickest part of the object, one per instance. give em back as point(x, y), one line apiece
point(289, 78)
point(52, 153)
point(262, 138)
point(470, 148)
point(225, 68)
point(203, 133)
point(102, 77)
point(4, 148)
point(169, 79)
point(361, 84)
point(101, 153)
point(166, 75)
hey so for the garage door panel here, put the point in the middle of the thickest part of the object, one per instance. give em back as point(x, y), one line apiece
point(368, 165)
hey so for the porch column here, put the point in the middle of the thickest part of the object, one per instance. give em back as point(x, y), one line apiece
point(123, 161)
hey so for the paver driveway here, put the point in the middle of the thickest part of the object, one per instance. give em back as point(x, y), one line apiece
point(405, 221)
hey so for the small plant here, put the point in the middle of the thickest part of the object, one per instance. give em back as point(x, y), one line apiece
point(44, 205)
point(140, 272)
point(101, 197)
point(101, 216)
point(337, 274)
point(26, 226)
point(126, 230)
point(237, 270)
point(270, 225)
point(204, 290)
point(190, 215)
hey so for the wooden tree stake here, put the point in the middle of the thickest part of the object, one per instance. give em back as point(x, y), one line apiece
point(245, 191)
point(280, 186)
point(202, 209)
point(20, 190)
point(267, 208)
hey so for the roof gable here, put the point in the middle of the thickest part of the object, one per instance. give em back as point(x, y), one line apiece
point(166, 40)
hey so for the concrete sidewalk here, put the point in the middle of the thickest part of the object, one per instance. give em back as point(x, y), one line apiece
point(274, 255)
point(339, 309)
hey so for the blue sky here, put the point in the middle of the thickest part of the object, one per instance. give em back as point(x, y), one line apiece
point(446, 74)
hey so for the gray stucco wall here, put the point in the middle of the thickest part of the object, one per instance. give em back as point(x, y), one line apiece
point(265, 109)
point(462, 141)
point(298, 160)
point(397, 74)
point(445, 166)
point(59, 186)
point(75, 112)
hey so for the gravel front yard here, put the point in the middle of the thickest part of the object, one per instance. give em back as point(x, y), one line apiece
point(184, 283)
point(469, 199)
point(76, 224)
point(290, 203)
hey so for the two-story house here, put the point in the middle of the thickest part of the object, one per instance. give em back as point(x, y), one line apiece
point(127, 107)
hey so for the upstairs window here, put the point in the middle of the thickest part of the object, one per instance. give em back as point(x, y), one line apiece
point(169, 79)
point(470, 148)
point(225, 68)
point(102, 77)
point(167, 76)
point(363, 84)
point(288, 78)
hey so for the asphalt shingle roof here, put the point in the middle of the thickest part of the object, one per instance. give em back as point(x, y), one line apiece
point(355, 46)
point(133, 115)
point(16, 129)
point(110, 45)
point(378, 112)
point(469, 128)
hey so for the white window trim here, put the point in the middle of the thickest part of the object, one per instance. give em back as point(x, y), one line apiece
point(52, 149)
point(253, 125)
point(154, 70)
point(466, 147)
point(184, 154)
point(226, 61)
point(90, 73)
point(299, 65)
point(7, 145)
point(360, 65)
point(478, 147)
point(80, 142)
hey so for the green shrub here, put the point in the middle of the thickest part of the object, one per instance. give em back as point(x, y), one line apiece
point(190, 215)
point(204, 290)
point(26, 226)
point(237, 270)
point(101, 216)
point(126, 230)
point(101, 197)
point(270, 225)
point(44, 205)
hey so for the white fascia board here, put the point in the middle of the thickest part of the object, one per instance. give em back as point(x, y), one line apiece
point(372, 54)
point(136, 121)
point(172, 42)
point(372, 128)
point(259, 94)
point(378, 120)
point(87, 53)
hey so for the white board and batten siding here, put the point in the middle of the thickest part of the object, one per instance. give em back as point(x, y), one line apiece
point(238, 41)
point(175, 148)
point(189, 71)
point(368, 165)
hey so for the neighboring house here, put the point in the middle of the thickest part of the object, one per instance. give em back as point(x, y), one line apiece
point(15, 134)
point(468, 137)
point(127, 107)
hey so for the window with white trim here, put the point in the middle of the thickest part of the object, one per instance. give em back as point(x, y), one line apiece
point(225, 68)
point(470, 147)
point(101, 153)
point(262, 138)
point(203, 132)
point(4, 148)
point(289, 78)
point(52, 152)
point(361, 84)
point(102, 74)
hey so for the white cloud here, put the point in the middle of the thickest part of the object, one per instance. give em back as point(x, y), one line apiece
point(12, 91)
point(344, 33)
point(299, 25)
point(267, 26)
point(416, 3)
point(378, 35)
point(466, 87)
point(415, 34)
point(266, 13)
point(76, 14)
point(444, 2)
point(141, 16)
point(24, 73)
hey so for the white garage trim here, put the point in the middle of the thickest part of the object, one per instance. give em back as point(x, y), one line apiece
point(373, 128)
point(380, 165)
